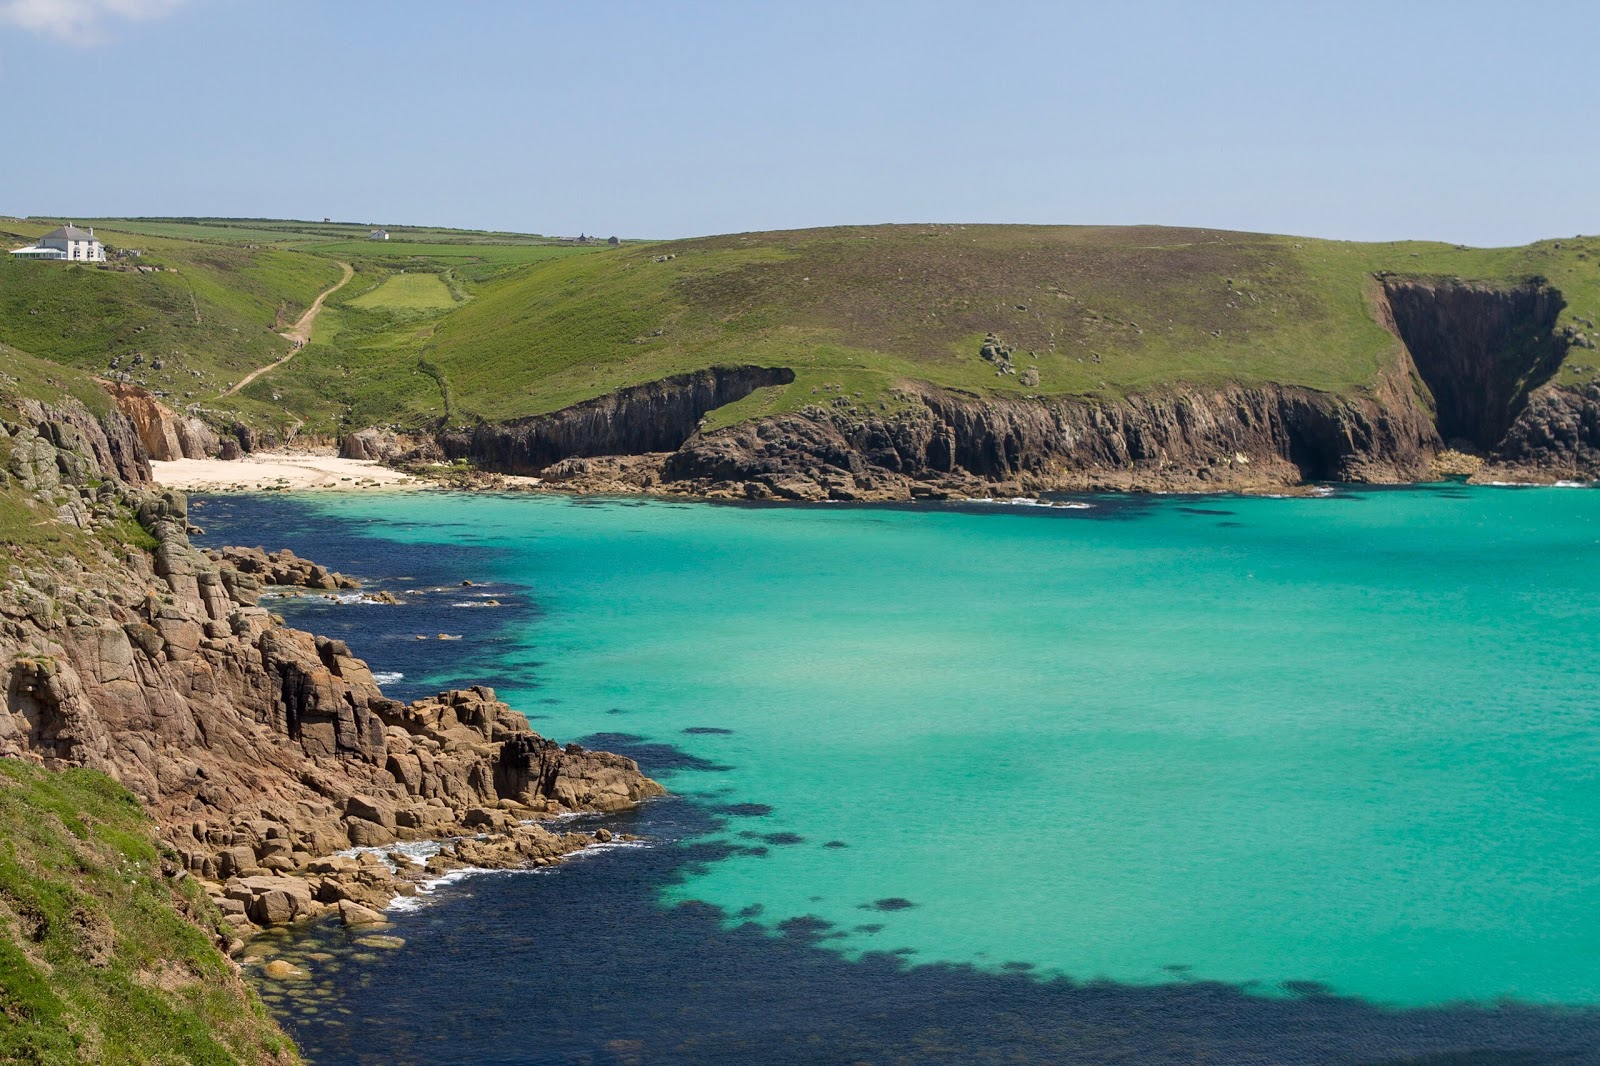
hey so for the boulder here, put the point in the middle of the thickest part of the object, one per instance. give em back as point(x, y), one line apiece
point(351, 913)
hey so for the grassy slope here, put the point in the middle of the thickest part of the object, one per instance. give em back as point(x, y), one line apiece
point(96, 962)
point(871, 308)
point(247, 278)
point(214, 313)
point(532, 325)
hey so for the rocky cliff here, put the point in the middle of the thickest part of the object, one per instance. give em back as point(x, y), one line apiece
point(260, 749)
point(1472, 370)
point(657, 417)
point(941, 443)
point(163, 434)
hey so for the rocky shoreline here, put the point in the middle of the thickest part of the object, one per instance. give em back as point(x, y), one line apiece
point(262, 752)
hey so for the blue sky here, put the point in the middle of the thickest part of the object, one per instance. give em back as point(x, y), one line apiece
point(1465, 121)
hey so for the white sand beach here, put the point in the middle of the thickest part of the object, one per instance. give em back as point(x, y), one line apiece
point(282, 470)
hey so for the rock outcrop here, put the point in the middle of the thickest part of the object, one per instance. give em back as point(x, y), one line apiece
point(282, 567)
point(164, 434)
point(657, 417)
point(943, 444)
point(260, 749)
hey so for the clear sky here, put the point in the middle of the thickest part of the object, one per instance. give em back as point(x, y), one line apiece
point(1465, 121)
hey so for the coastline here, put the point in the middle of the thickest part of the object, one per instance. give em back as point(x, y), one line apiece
point(278, 471)
point(306, 470)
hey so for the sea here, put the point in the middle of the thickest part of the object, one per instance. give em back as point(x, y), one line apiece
point(1091, 779)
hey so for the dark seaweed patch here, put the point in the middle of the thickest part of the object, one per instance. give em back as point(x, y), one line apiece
point(836, 844)
point(745, 810)
point(892, 903)
point(653, 758)
point(1205, 510)
point(708, 731)
point(784, 840)
point(806, 927)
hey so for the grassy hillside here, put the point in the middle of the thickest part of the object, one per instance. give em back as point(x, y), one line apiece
point(465, 325)
point(1094, 311)
point(97, 962)
point(221, 291)
point(207, 312)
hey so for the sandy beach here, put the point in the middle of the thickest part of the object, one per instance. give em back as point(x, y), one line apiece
point(266, 470)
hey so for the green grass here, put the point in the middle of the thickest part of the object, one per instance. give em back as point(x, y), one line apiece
point(1098, 312)
point(210, 314)
point(509, 325)
point(408, 292)
point(97, 963)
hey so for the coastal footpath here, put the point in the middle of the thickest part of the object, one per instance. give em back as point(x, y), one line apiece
point(260, 751)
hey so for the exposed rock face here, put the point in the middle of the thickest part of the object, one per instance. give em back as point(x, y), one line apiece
point(282, 567)
point(1557, 433)
point(164, 434)
point(257, 747)
point(87, 446)
point(657, 417)
point(1481, 350)
point(1190, 439)
point(370, 444)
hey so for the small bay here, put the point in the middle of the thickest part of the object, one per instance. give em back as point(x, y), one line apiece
point(1341, 746)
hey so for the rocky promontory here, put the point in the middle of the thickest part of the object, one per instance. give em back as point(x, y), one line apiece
point(262, 751)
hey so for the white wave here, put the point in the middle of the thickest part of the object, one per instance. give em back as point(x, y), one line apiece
point(416, 852)
point(1028, 501)
point(401, 904)
point(1543, 485)
point(387, 677)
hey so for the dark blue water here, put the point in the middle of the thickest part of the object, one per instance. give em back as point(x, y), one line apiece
point(595, 963)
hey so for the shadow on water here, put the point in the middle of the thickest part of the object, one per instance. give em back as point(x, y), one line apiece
point(587, 965)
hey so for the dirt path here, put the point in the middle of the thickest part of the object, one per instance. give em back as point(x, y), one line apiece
point(299, 333)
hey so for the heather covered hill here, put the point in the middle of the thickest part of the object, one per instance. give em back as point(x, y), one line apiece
point(1088, 312)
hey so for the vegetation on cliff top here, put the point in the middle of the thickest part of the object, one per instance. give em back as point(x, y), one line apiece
point(101, 956)
point(1093, 312)
point(461, 326)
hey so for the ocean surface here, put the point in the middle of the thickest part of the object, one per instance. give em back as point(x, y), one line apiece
point(1163, 779)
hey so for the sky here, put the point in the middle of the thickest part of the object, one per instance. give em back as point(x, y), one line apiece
point(1466, 121)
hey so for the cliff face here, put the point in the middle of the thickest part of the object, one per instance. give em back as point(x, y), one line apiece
point(657, 417)
point(1191, 438)
point(1481, 350)
point(1472, 370)
point(258, 748)
point(163, 434)
point(940, 443)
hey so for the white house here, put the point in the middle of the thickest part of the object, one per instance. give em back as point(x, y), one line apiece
point(378, 235)
point(66, 242)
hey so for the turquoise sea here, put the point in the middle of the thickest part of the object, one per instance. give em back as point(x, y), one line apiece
point(1337, 746)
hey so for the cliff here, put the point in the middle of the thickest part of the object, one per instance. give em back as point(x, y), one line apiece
point(1473, 367)
point(260, 750)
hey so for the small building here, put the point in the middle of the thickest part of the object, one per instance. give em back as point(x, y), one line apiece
point(65, 242)
point(378, 235)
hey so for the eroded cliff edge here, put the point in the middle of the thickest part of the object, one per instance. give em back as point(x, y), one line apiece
point(260, 749)
point(1472, 372)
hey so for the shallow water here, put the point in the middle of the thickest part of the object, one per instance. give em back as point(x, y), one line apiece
point(1254, 753)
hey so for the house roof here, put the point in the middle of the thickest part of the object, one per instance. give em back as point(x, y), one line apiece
point(69, 233)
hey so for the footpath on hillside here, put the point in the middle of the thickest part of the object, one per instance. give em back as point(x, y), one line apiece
point(298, 334)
